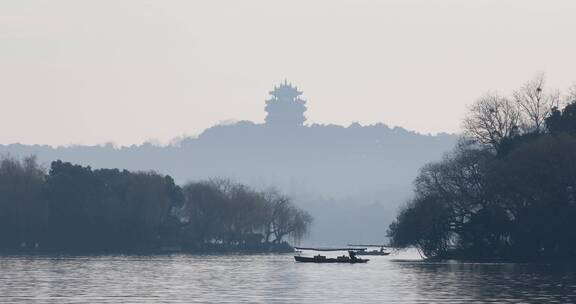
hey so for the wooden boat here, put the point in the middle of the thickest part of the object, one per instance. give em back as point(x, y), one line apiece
point(380, 252)
point(324, 259)
point(373, 252)
point(352, 259)
point(330, 248)
point(363, 251)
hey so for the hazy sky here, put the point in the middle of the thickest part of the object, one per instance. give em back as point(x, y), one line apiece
point(86, 72)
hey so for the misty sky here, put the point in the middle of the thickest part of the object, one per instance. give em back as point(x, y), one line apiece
point(126, 71)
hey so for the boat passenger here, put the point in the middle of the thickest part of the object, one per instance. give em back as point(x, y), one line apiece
point(352, 254)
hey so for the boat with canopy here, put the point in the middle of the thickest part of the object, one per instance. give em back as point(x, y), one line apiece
point(350, 259)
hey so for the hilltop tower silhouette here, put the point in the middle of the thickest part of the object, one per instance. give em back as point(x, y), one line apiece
point(285, 108)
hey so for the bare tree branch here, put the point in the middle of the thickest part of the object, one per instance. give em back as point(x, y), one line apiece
point(571, 95)
point(535, 103)
point(491, 119)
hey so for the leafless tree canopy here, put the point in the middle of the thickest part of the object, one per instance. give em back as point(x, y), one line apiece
point(535, 103)
point(221, 211)
point(491, 119)
point(571, 94)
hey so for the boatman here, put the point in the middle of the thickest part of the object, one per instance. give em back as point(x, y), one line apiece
point(352, 254)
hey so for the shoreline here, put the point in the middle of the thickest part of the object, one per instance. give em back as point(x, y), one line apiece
point(278, 249)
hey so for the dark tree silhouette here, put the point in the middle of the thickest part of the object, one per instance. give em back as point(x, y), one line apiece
point(562, 121)
point(23, 210)
point(74, 208)
point(508, 196)
point(221, 212)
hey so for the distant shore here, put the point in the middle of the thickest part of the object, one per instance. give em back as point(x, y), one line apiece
point(276, 248)
point(459, 257)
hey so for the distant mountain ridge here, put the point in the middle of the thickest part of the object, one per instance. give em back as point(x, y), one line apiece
point(356, 158)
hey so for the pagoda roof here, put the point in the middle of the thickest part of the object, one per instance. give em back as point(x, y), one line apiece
point(285, 89)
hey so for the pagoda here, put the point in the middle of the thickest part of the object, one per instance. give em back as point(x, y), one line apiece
point(285, 108)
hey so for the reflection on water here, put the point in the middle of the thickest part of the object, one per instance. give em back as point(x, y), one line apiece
point(275, 279)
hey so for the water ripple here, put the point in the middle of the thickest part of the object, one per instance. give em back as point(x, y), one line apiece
point(275, 279)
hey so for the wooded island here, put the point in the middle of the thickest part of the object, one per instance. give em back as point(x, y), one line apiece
point(508, 190)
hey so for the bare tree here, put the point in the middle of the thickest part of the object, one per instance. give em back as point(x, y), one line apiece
point(535, 103)
point(491, 119)
point(284, 219)
point(571, 96)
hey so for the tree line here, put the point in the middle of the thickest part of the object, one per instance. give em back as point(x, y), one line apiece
point(75, 208)
point(508, 190)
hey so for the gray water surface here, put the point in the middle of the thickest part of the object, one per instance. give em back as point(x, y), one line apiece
point(276, 279)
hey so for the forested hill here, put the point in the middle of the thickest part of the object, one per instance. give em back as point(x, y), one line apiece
point(347, 168)
point(326, 159)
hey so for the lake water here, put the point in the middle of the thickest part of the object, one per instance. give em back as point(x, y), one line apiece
point(276, 279)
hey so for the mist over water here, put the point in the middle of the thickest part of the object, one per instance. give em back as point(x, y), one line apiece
point(277, 279)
